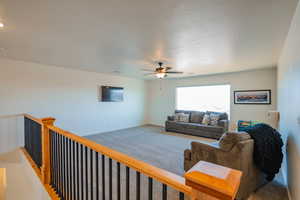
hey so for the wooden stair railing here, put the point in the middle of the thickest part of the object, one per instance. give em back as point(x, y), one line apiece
point(2, 183)
point(210, 181)
point(46, 172)
point(205, 181)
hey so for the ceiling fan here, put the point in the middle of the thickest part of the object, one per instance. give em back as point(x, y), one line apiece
point(161, 72)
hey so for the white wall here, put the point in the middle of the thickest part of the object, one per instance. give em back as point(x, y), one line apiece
point(289, 104)
point(70, 96)
point(161, 94)
point(11, 132)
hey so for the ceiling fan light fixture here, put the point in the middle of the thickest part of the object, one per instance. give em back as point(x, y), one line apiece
point(162, 72)
point(160, 75)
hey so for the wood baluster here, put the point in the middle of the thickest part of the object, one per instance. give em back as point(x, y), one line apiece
point(45, 170)
point(211, 182)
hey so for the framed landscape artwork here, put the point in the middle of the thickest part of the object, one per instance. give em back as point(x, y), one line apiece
point(252, 97)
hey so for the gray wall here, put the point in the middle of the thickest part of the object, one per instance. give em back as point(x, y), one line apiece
point(289, 104)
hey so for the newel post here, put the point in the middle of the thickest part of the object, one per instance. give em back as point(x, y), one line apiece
point(45, 170)
point(211, 182)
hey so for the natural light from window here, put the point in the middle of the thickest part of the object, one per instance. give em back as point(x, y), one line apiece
point(204, 98)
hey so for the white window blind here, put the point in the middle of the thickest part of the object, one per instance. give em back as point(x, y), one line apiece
point(204, 98)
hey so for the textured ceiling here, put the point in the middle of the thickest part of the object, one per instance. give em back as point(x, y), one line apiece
point(125, 36)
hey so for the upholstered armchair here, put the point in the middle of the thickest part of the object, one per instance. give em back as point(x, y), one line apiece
point(234, 150)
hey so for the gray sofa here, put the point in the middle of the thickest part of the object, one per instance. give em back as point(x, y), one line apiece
point(233, 150)
point(195, 126)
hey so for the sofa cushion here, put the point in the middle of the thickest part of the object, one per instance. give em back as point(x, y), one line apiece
point(195, 126)
point(206, 119)
point(177, 117)
point(184, 118)
point(185, 112)
point(195, 129)
point(171, 118)
point(229, 139)
point(197, 117)
point(214, 119)
point(222, 115)
point(204, 127)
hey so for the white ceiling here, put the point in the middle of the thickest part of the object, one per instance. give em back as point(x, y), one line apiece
point(125, 36)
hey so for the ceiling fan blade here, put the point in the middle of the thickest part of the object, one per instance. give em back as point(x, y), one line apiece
point(149, 74)
point(168, 68)
point(173, 72)
point(147, 70)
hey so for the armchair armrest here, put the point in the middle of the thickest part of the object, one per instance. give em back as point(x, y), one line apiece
point(202, 151)
point(205, 147)
point(224, 123)
point(187, 154)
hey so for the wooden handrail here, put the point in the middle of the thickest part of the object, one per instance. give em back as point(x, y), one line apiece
point(33, 118)
point(161, 175)
point(213, 181)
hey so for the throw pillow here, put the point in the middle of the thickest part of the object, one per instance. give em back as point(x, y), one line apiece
point(214, 119)
point(184, 118)
point(206, 119)
point(197, 117)
point(177, 117)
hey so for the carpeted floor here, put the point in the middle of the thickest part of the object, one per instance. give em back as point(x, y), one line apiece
point(165, 150)
point(150, 144)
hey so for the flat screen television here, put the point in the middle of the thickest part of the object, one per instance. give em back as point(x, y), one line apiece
point(111, 94)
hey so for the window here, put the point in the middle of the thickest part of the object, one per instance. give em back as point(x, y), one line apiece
point(204, 98)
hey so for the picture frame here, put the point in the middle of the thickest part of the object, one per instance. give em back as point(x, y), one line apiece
point(253, 97)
